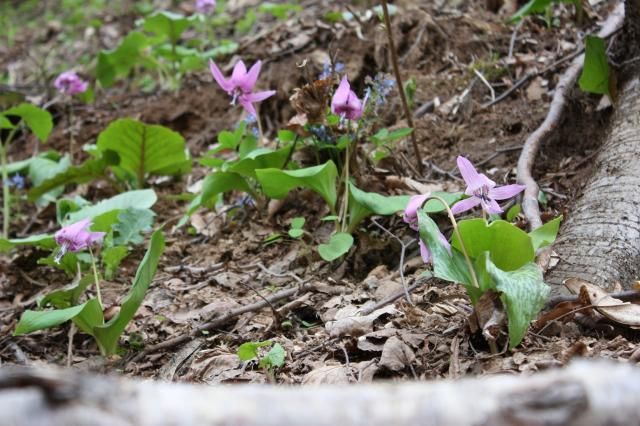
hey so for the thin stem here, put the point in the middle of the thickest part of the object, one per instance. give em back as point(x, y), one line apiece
point(345, 196)
point(403, 97)
point(454, 223)
point(95, 276)
point(6, 196)
point(259, 124)
point(70, 124)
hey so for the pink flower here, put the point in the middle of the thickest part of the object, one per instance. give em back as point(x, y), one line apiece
point(345, 103)
point(240, 85)
point(482, 190)
point(411, 217)
point(76, 237)
point(206, 7)
point(69, 83)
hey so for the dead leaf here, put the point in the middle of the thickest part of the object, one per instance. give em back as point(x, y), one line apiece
point(327, 375)
point(614, 309)
point(396, 355)
point(349, 322)
point(374, 341)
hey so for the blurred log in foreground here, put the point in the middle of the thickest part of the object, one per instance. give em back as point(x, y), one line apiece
point(585, 393)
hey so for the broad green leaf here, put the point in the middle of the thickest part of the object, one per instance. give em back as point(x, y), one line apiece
point(274, 358)
point(435, 206)
point(86, 172)
point(535, 6)
point(107, 335)
point(90, 317)
point(523, 293)
point(167, 24)
point(31, 321)
point(37, 119)
point(447, 266)
point(5, 123)
point(510, 247)
point(546, 234)
point(68, 296)
point(339, 244)
point(113, 64)
point(43, 169)
point(111, 259)
point(277, 183)
point(105, 213)
point(250, 350)
point(363, 204)
point(280, 11)
point(214, 184)
point(43, 241)
point(145, 149)
point(224, 48)
point(132, 223)
point(260, 158)
point(595, 73)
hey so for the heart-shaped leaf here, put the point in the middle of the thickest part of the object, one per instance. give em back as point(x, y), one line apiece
point(277, 183)
point(145, 149)
point(339, 244)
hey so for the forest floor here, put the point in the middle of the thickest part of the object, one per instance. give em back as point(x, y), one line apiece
point(222, 261)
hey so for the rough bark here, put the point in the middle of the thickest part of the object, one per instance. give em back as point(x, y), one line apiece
point(586, 393)
point(600, 239)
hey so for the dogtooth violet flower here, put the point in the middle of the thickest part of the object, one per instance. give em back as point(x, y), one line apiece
point(240, 85)
point(345, 102)
point(482, 190)
point(76, 237)
point(206, 7)
point(69, 83)
point(411, 218)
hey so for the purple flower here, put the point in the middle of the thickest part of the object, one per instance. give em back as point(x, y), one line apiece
point(240, 85)
point(69, 83)
point(206, 7)
point(411, 217)
point(345, 103)
point(76, 237)
point(482, 190)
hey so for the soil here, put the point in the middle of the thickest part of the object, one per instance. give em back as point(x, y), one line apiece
point(222, 261)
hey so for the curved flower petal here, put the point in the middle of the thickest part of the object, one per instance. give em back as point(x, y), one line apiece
point(239, 74)
point(341, 95)
point(225, 84)
point(247, 105)
point(469, 173)
point(505, 192)
point(491, 206)
point(424, 252)
point(444, 242)
point(464, 205)
point(258, 96)
point(251, 77)
point(411, 210)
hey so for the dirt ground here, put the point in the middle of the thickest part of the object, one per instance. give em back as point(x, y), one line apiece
point(451, 49)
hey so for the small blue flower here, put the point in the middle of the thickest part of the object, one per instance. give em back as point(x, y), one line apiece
point(327, 71)
point(17, 181)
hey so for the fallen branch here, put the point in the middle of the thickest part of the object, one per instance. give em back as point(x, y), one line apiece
point(585, 393)
point(531, 147)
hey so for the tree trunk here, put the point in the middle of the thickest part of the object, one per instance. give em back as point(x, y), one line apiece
point(585, 393)
point(600, 239)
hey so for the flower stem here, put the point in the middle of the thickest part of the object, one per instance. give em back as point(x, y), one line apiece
point(454, 223)
point(6, 196)
point(95, 277)
point(403, 97)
